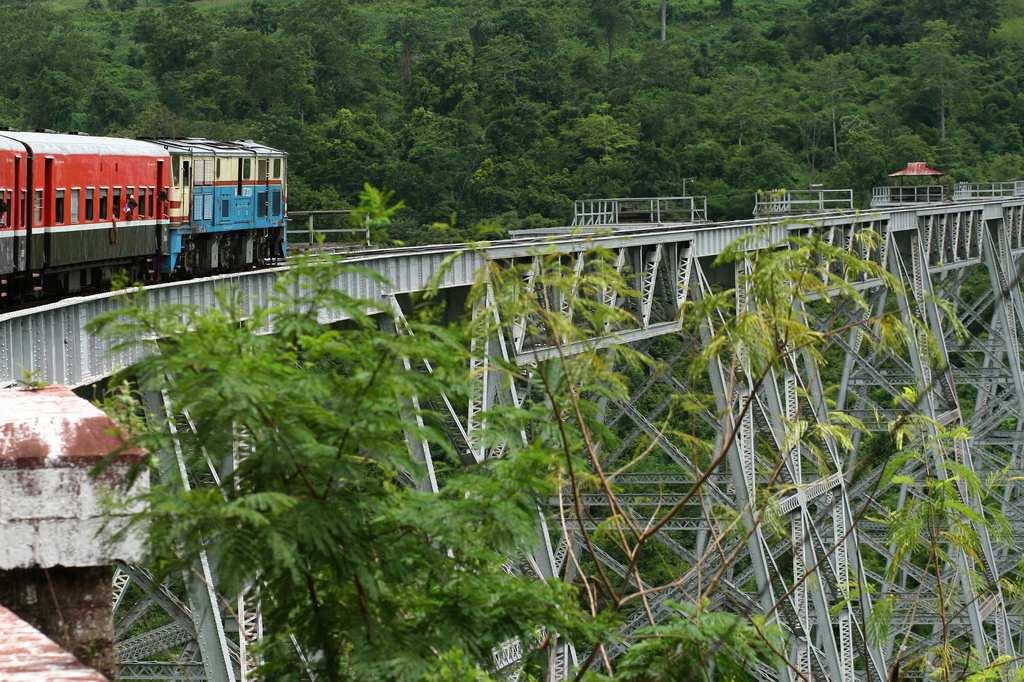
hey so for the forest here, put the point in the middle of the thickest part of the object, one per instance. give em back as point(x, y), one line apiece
point(487, 116)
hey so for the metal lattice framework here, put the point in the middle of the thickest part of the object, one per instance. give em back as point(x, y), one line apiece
point(821, 577)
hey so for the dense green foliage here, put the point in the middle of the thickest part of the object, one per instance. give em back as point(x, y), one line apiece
point(380, 579)
point(474, 111)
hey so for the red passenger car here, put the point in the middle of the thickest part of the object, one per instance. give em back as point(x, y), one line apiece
point(63, 223)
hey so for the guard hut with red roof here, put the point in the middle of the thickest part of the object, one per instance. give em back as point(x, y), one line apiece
point(915, 184)
point(58, 540)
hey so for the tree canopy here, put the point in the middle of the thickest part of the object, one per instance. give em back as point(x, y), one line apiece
point(471, 110)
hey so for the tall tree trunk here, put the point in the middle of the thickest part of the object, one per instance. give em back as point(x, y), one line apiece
point(609, 36)
point(835, 133)
point(664, 18)
point(942, 112)
point(406, 61)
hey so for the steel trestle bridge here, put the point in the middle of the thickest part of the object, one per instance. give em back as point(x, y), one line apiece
point(826, 572)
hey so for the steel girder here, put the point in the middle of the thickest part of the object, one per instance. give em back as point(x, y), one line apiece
point(817, 579)
point(210, 634)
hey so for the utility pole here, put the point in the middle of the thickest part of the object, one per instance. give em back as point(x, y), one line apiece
point(664, 18)
point(685, 180)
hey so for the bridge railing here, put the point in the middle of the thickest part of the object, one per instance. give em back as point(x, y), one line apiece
point(306, 228)
point(895, 196)
point(619, 210)
point(790, 201)
point(983, 190)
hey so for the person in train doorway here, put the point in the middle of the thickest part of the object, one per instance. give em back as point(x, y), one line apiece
point(129, 205)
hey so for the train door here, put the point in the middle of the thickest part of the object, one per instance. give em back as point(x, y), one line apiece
point(249, 189)
point(262, 191)
point(16, 212)
point(197, 189)
point(275, 191)
point(47, 213)
point(158, 210)
point(181, 172)
point(8, 242)
point(48, 191)
point(205, 174)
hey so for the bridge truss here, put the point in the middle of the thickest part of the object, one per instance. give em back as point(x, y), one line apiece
point(822, 577)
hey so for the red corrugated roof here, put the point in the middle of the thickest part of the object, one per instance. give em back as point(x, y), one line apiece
point(916, 168)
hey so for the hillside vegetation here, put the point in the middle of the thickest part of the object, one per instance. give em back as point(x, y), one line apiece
point(484, 116)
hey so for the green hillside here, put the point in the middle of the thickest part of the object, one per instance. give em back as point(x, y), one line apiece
point(484, 116)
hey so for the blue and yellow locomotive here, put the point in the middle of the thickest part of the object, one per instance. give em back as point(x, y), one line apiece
point(226, 205)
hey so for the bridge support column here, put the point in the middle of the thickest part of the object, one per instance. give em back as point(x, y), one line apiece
point(200, 582)
point(938, 401)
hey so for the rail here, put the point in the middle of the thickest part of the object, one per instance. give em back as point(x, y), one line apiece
point(310, 235)
point(793, 201)
point(896, 196)
point(983, 190)
point(652, 210)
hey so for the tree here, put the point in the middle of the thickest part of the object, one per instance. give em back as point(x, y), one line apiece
point(261, 17)
point(601, 136)
point(379, 578)
point(745, 105)
point(611, 16)
point(835, 77)
point(175, 39)
point(974, 20)
point(939, 75)
point(406, 29)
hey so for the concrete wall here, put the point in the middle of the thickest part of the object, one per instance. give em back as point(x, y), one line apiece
point(60, 523)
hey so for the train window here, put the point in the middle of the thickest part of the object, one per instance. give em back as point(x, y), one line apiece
point(277, 168)
point(115, 206)
point(247, 169)
point(261, 204)
point(175, 175)
point(103, 203)
point(75, 193)
point(225, 208)
point(263, 170)
point(276, 199)
point(38, 206)
point(152, 191)
point(21, 208)
point(218, 169)
point(142, 202)
point(90, 200)
point(58, 214)
point(185, 172)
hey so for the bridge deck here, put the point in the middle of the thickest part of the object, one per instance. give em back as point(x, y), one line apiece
point(49, 343)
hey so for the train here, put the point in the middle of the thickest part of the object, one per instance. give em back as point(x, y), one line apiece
point(76, 210)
